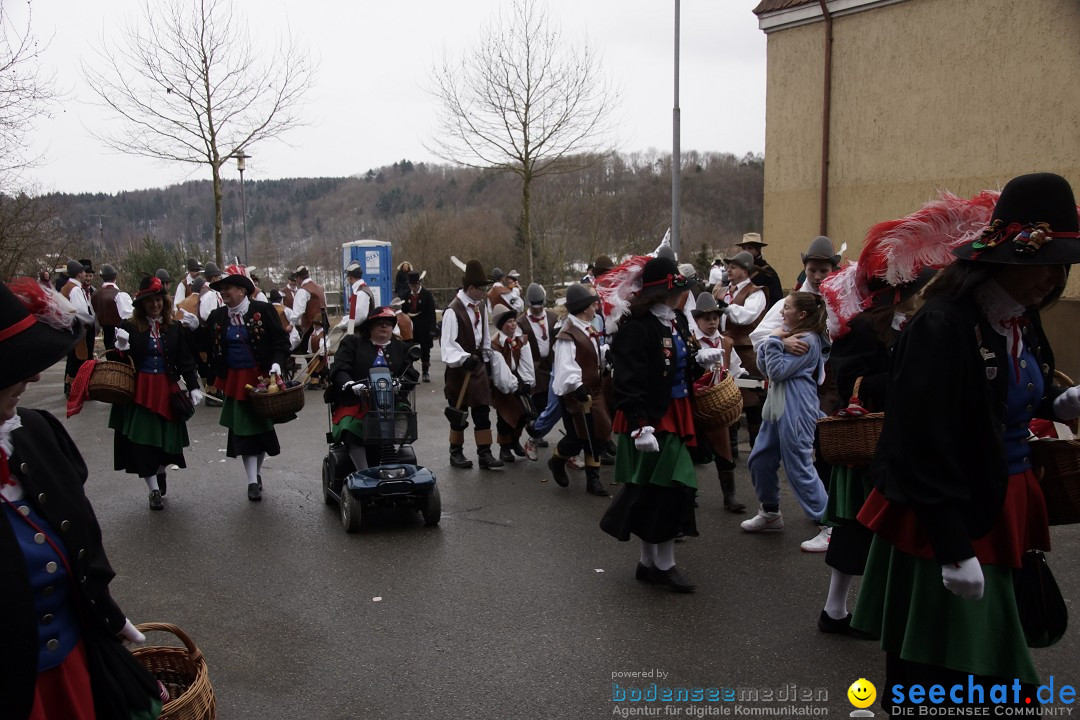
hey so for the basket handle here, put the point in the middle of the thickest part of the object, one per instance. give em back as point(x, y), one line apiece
point(124, 356)
point(193, 651)
point(855, 392)
point(1063, 378)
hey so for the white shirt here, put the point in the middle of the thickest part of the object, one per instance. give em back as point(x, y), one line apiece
point(208, 303)
point(300, 299)
point(718, 275)
point(182, 288)
point(731, 359)
point(452, 352)
point(362, 302)
point(290, 317)
point(566, 376)
point(746, 313)
point(502, 374)
point(514, 298)
point(544, 336)
point(772, 320)
point(123, 302)
point(80, 300)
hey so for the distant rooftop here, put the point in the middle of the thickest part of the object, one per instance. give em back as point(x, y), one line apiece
point(768, 6)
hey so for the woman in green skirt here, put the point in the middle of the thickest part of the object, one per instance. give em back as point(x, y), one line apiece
point(149, 437)
point(956, 506)
point(652, 365)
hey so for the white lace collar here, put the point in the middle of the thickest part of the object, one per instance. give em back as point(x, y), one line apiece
point(997, 305)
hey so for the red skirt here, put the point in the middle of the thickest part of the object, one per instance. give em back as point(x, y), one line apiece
point(1021, 525)
point(152, 391)
point(678, 419)
point(355, 411)
point(63, 692)
point(235, 382)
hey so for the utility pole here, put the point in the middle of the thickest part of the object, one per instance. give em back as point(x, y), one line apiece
point(676, 150)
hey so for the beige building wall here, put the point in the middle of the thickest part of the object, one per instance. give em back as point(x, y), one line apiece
point(926, 95)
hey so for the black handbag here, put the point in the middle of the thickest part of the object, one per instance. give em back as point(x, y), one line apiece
point(1043, 614)
point(182, 407)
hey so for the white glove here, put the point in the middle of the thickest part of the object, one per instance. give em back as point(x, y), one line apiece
point(709, 356)
point(1067, 404)
point(197, 396)
point(130, 634)
point(357, 387)
point(644, 440)
point(122, 340)
point(191, 322)
point(964, 578)
point(275, 369)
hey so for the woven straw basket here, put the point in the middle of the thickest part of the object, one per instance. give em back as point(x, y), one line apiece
point(280, 404)
point(850, 440)
point(718, 405)
point(112, 382)
point(182, 670)
point(1060, 464)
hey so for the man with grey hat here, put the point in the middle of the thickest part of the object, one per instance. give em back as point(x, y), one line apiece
point(576, 379)
point(745, 304)
point(361, 300)
point(466, 349)
point(111, 305)
point(765, 276)
point(210, 299)
point(538, 327)
point(183, 288)
point(78, 292)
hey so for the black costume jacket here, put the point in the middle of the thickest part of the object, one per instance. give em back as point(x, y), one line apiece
point(179, 360)
point(424, 319)
point(353, 360)
point(269, 341)
point(862, 354)
point(941, 450)
point(765, 277)
point(642, 372)
point(52, 473)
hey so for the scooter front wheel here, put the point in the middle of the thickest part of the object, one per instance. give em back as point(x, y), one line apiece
point(351, 511)
point(432, 508)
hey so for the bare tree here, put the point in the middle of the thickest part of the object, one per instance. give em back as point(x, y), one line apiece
point(25, 96)
point(188, 87)
point(525, 102)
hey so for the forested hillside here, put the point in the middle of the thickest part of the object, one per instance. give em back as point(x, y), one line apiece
point(619, 205)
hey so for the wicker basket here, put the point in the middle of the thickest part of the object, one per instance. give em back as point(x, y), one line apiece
point(182, 670)
point(718, 405)
point(850, 440)
point(275, 406)
point(112, 382)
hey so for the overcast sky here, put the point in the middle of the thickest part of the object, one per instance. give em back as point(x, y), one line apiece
point(369, 106)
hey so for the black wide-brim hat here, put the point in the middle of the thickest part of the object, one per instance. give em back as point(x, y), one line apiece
point(1034, 222)
point(578, 298)
point(475, 276)
point(150, 286)
point(379, 313)
point(240, 281)
point(27, 343)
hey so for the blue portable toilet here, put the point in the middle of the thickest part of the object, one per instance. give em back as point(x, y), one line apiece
point(374, 257)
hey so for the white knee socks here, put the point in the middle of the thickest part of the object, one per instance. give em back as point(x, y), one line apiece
point(648, 554)
point(836, 603)
point(665, 555)
point(151, 482)
point(251, 468)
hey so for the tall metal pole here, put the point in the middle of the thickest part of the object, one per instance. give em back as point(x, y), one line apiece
point(240, 158)
point(676, 151)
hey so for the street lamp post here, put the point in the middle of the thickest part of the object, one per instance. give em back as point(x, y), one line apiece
point(240, 158)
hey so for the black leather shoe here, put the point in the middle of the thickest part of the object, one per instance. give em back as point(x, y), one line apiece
point(458, 459)
point(557, 466)
point(155, 500)
point(593, 486)
point(426, 377)
point(734, 506)
point(162, 484)
point(842, 626)
point(487, 460)
point(673, 580)
point(506, 455)
point(254, 492)
point(643, 573)
point(258, 479)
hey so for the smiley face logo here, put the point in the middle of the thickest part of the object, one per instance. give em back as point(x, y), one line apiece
point(862, 693)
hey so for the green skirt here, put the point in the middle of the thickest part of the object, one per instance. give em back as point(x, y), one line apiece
point(848, 489)
point(348, 424)
point(665, 468)
point(240, 417)
point(144, 427)
point(903, 601)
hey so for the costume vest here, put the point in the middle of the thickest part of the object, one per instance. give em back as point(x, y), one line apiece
point(542, 366)
point(479, 391)
point(740, 334)
point(585, 354)
point(315, 305)
point(104, 303)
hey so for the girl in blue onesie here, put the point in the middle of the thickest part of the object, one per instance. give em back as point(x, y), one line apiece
point(790, 414)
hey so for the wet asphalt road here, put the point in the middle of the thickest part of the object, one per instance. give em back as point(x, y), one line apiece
point(515, 606)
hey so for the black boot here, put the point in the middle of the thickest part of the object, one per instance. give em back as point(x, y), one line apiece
point(457, 457)
point(727, 485)
point(557, 466)
point(506, 454)
point(486, 459)
point(162, 484)
point(593, 486)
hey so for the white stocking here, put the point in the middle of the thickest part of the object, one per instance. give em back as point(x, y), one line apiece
point(665, 555)
point(648, 554)
point(358, 455)
point(151, 482)
point(836, 603)
point(251, 467)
